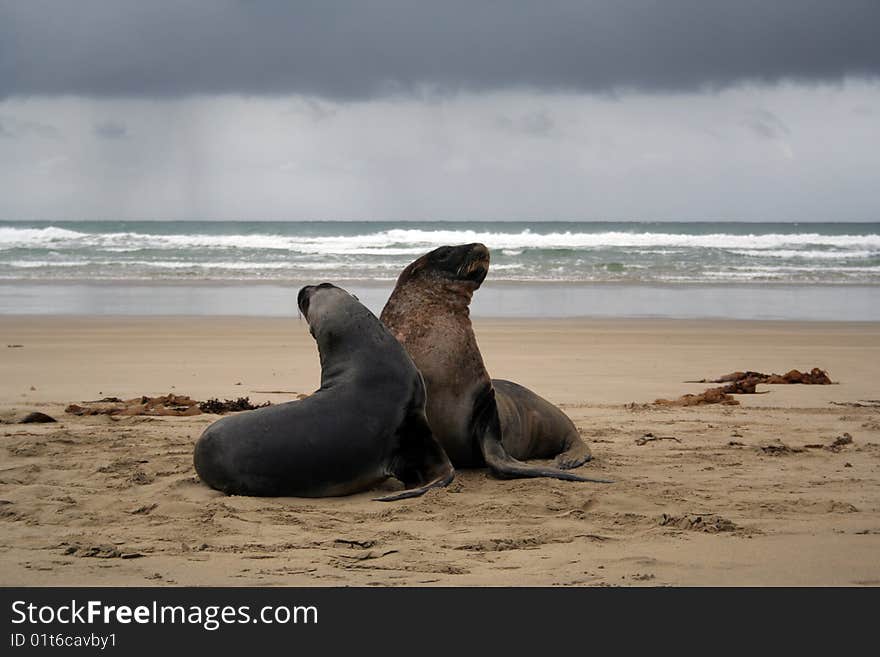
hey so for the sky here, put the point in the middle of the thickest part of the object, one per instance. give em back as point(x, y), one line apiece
point(392, 109)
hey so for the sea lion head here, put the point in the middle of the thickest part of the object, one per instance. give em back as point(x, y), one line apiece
point(352, 342)
point(463, 266)
point(332, 313)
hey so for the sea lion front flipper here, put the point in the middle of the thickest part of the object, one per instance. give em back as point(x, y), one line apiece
point(576, 455)
point(420, 461)
point(487, 428)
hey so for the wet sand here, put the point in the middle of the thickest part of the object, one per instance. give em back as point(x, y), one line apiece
point(736, 498)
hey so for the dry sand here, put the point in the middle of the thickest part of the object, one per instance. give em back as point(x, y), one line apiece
point(101, 501)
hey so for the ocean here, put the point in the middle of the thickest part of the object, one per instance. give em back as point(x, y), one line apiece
point(822, 271)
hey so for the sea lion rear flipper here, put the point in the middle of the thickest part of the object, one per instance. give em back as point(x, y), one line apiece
point(419, 459)
point(487, 426)
point(439, 482)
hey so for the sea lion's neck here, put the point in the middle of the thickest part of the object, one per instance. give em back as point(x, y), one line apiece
point(351, 349)
point(416, 312)
point(434, 326)
point(446, 298)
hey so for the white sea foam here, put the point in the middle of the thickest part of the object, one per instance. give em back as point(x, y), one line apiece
point(228, 266)
point(622, 255)
point(412, 241)
point(232, 265)
point(36, 264)
point(807, 254)
point(809, 268)
point(36, 237)
point(567, 240)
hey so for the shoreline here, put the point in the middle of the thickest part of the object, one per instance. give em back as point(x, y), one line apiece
point(502, 299)
point(384, 282)
point(696, 323)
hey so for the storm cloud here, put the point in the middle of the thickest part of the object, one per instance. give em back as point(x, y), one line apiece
point(787, 152)
point(355, 50)
point(405, 109)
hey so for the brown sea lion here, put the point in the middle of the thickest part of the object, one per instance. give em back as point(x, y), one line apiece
point(479, 421)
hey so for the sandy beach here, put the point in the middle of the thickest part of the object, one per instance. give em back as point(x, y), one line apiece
point(731, 495)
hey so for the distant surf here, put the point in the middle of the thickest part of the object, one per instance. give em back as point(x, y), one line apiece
point(578, 252)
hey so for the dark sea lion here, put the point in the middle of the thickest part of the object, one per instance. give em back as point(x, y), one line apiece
point(478, 421)
point(366, 422)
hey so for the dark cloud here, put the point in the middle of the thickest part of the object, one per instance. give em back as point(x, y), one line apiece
point(358, 49)
point(110, 130)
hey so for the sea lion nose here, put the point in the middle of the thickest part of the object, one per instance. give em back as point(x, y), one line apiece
point(479, 250)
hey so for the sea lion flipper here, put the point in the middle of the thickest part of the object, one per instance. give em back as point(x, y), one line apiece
point(439, 482)
point(503, 465)
point(419, 458)
point(487, 426)
point(576, 455)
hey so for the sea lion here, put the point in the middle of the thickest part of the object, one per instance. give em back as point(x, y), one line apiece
point(365, 423)
point(479, 421)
